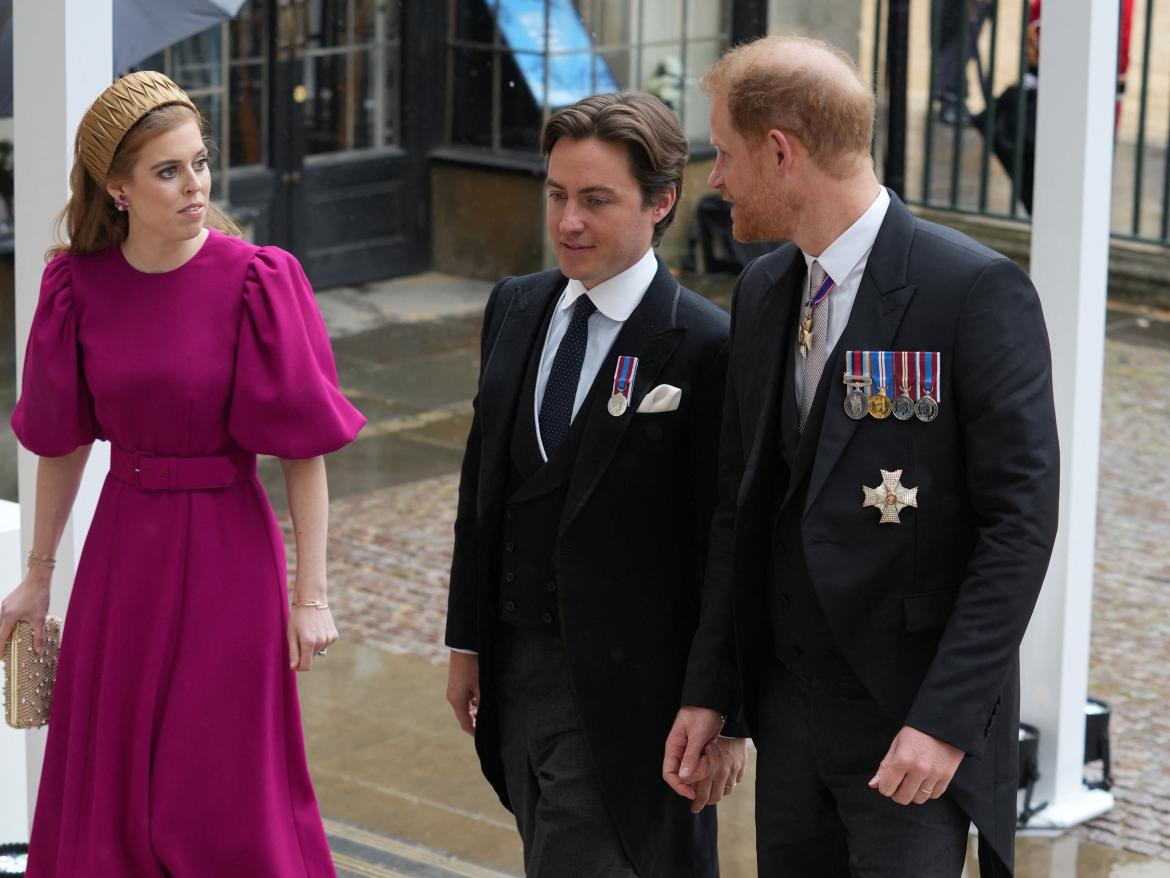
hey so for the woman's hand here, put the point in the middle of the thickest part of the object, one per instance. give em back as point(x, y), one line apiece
point(28, 603)
point(310, 632)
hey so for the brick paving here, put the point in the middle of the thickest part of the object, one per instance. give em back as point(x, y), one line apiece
point(390, 549)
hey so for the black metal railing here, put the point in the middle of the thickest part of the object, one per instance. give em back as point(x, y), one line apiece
point(970, 122)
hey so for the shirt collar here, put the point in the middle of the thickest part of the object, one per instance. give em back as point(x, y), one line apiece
point(617, 297)
point(852, 245)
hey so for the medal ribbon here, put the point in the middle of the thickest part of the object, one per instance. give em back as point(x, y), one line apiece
point(931, 363)
point(853, 366)
point(936, 377)
point(888, 370)
point(822, 291)
point(902, 377)
point(623, 376)
point(877, 368)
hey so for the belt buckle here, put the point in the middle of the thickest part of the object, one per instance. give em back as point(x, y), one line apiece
point(150, 477)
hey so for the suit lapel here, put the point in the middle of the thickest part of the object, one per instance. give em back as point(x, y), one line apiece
point(790, 409)
point(650, 335)
point(774, 322)
point(503, 375)
point(873, 324)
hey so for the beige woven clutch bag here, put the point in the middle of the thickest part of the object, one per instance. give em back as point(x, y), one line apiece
point(28, 677)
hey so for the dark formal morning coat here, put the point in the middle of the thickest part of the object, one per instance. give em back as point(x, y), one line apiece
point(630, 552)
point(929, 613)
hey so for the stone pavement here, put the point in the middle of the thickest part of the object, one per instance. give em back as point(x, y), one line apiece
point(1131, 600)
point(390, 546)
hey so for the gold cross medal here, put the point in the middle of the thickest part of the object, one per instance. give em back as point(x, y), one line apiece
point(805, 336)
point(891, 497)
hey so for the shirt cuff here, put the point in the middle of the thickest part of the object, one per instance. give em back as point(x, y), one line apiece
point(464, 651)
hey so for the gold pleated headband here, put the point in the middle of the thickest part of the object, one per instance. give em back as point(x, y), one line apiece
point(117, 110)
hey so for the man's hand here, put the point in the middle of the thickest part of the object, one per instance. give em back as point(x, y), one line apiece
point(682, 765)
point(463, 688)
point(723, 764)
point(917, 768)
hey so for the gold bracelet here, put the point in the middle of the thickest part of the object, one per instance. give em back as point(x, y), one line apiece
point(36, 559)
point(317, 605)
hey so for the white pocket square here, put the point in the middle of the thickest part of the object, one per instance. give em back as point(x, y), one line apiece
point(662, 398)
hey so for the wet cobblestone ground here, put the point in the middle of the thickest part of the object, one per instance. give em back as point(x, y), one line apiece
point(390, 546)
point(1130, 655)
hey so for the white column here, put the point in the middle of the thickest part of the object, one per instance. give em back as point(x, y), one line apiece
point(1070, 252)
point(62, 59)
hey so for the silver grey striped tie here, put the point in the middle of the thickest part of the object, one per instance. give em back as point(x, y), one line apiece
point(814, 361)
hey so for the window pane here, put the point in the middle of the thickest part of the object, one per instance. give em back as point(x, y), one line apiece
point(573, 76)
point(523, 23)
point(662, 20)
point(708, 18)
point(521, 116)
point(361, 101)
point(393, 97)
point(197, 62)
point(620, 64)
point(328, 23)
point(247, 119)
point(662, 74)
point(325, 108)
point(246, 42)
point(471, 97)
point(474, 21)
point(211, 108)
point(365, 19)
point(610, 22)
point(701, 54)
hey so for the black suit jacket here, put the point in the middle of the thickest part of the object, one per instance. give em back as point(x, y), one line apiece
point(630, 553)
point(929, 613)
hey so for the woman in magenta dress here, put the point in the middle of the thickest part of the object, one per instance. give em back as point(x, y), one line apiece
point(175, 746)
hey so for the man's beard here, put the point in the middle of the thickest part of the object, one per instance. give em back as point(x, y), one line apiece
point(763, 216)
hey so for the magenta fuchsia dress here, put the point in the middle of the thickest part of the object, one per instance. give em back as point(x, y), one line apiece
point(175, 745)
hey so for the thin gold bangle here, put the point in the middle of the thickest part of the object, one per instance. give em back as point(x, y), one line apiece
point(316, 605)
point(36, 559)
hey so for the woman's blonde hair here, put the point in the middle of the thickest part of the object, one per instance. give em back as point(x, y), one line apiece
point(90, 221)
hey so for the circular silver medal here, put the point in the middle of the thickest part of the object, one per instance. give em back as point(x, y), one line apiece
point(856, 404)
point(926, 409)
point(618, 405)
point(903, 407)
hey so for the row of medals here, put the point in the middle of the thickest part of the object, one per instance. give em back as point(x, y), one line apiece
point(859, 402)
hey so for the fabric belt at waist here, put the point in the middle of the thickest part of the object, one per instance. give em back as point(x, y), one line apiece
point(151, 472)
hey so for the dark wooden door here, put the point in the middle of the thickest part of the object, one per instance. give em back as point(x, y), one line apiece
point(350, 153)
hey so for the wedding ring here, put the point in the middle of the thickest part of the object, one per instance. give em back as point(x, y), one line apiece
point(925, 790)
point(322, 653)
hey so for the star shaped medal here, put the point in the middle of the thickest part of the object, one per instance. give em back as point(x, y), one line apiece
point(891, 497)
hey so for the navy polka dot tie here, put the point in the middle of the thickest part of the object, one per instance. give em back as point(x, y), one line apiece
point(556, 409)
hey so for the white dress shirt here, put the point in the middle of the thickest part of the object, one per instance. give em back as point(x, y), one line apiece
point(616, 300)
point(844, 261)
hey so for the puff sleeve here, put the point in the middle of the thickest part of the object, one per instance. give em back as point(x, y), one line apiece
point(285, 399)
point(55, 414)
